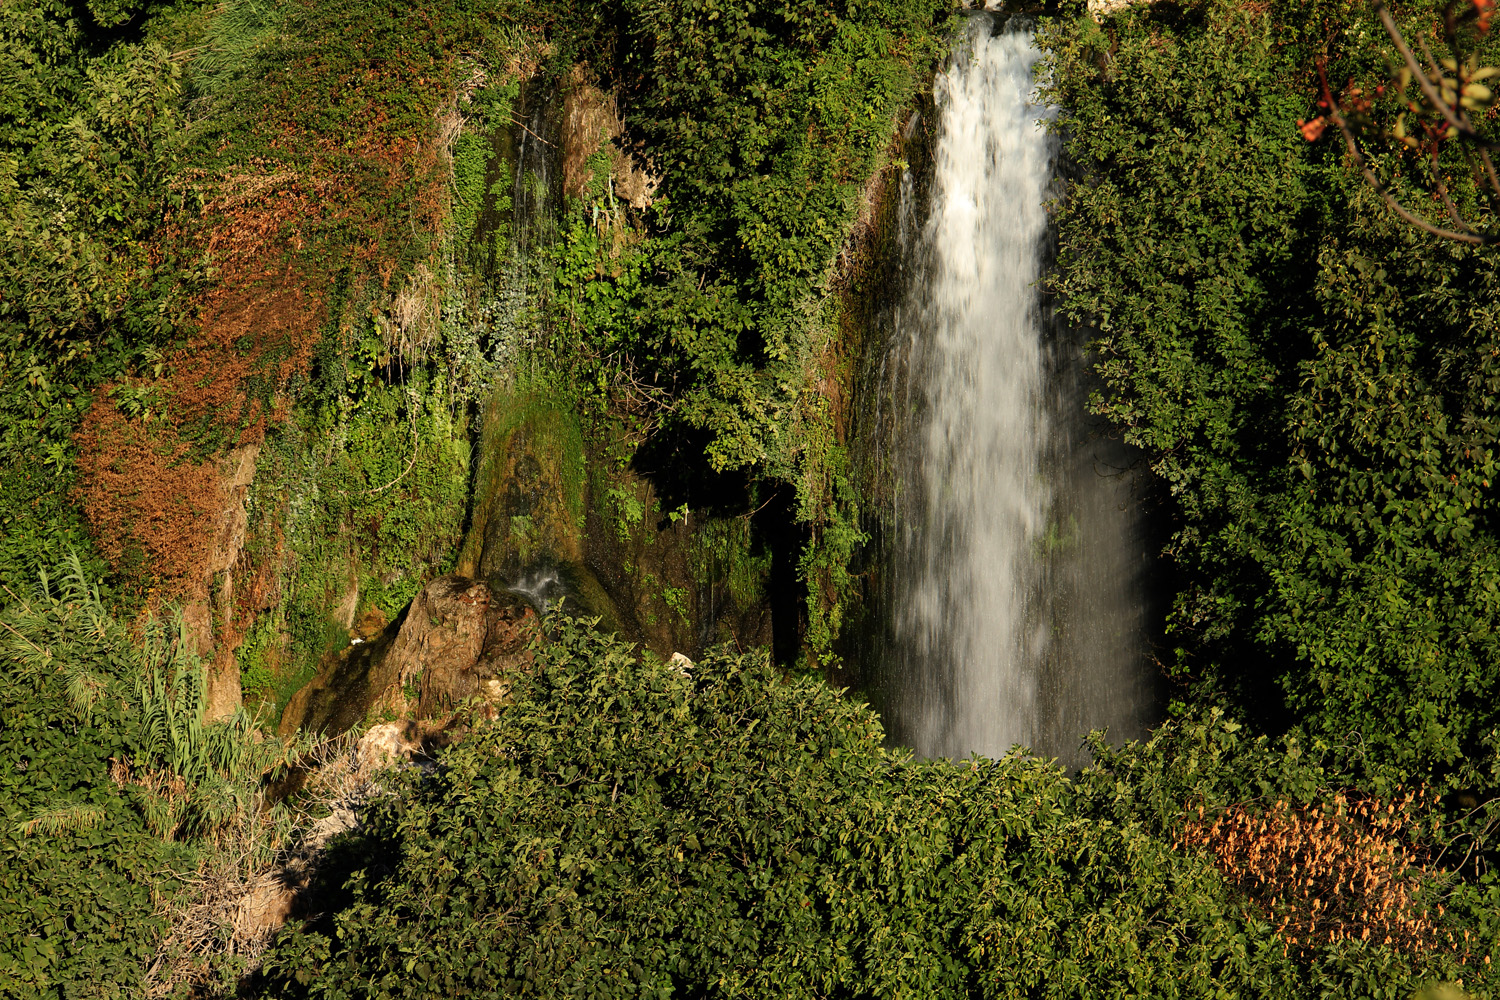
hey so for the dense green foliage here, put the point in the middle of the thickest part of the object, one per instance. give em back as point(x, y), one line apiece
point(1312, 381)
point(1311, 378)
point(712, 310)
point(109, 782)
point(166, 189)
point(371, 497)
point(89, 144)
point(764, 125)
point(627, 829)
point(765, 121)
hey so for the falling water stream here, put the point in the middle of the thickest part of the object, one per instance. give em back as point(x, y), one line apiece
point(1015, 602)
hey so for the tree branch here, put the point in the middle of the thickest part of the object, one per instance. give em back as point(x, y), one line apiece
point(1428, 90)
point(1384, 192)
point(1489, 168)
point(1460, 126)
point(1437, 178)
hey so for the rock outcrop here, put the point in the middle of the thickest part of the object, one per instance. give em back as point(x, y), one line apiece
point(458, 640)
point(1100, 9)
point(462, 640)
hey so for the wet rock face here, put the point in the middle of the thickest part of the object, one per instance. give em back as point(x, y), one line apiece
point(528, 491)
point(459, 639)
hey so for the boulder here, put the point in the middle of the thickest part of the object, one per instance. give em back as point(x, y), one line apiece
point(457, 640)
point(1100, 9)
point(462, 640)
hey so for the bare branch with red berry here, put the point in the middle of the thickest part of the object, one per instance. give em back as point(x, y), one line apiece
point(1449, 90)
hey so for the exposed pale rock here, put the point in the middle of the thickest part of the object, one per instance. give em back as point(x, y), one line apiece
point(231, 522)
point(496, 689)
point(388, 743)
point(1100, 9)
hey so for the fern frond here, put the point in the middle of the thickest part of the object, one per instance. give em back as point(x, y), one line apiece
point(150, 687)
point(62, 818)
point(18, 642)
point(84, 691)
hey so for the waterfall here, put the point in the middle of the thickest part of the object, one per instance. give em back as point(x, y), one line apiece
point(1014, 547)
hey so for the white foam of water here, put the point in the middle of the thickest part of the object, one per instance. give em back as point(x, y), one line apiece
point(970, 594)
point(1015, 591)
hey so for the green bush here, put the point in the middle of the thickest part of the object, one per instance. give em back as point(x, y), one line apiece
point(90, 133)
point(110, 785)
point(630, 830)
point(1309, 377)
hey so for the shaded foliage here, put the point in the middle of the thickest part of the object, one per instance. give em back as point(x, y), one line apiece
point(710, 315)
point(1309, 376)
point(766, 122)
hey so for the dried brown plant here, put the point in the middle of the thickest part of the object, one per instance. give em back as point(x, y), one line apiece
point(1349, 869)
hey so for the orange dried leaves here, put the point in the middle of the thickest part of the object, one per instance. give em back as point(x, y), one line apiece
point(151, 484)
point(1345, 871)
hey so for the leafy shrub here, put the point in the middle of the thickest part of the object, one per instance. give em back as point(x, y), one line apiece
point(630, 829)
point(89, 135)
point(108, 780)
point(1309, 377)
point(81, 201)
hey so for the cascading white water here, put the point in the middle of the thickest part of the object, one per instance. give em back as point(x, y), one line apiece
point(1013, 548)
point(972, 588)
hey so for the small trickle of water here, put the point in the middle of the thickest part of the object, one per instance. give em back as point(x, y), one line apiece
point(542, 587)
point(983, 433)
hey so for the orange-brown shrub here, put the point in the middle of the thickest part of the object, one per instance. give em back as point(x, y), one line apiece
point(140, 490)
point(1346, 870)
point(152, 484)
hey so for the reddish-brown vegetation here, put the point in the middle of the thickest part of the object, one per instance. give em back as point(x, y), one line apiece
point(141, 490)
point(1346, 871)
point(151, 483)
point(327, 167)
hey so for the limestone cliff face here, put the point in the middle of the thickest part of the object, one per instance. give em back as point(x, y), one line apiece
point(553, 512)
point(231, 523)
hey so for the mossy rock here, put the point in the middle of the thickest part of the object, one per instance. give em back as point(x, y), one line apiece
point(528, 491)
point(458, 639)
